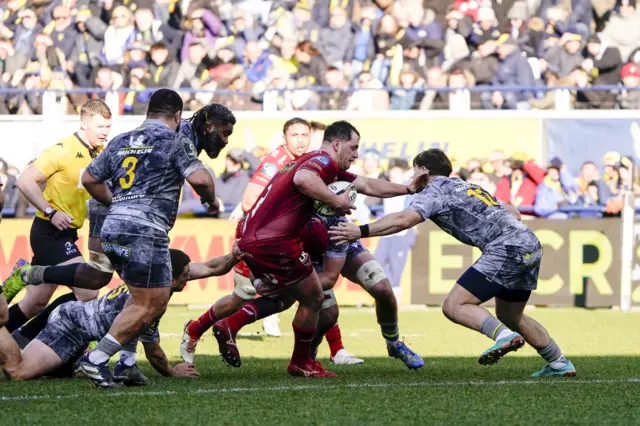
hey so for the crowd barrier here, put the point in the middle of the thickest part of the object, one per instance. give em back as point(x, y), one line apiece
point(583, 265)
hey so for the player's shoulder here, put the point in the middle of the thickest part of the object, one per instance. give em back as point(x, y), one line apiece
point(65, 144)
point(317, 155)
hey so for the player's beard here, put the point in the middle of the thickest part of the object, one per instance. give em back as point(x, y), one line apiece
point(214, 144)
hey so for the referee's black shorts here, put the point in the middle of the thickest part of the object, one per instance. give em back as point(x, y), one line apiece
point(51, 246)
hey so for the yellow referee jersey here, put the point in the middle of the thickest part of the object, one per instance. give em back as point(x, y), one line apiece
point(63, 165)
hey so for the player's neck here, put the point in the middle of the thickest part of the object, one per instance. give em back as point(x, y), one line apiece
point(83, 137)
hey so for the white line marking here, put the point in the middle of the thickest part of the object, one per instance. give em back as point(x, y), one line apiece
point(543, 382)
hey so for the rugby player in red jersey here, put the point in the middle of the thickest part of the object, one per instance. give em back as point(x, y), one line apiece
point(270, 232)
point(297, 136)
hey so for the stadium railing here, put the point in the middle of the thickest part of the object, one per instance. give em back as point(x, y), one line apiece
point(460, 99)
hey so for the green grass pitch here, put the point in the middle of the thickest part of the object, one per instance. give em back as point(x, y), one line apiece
point(452, 387)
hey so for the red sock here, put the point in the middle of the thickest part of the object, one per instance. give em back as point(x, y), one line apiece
point(334, 339)
point(246, 315)
point(302, 347)
point(198, 327)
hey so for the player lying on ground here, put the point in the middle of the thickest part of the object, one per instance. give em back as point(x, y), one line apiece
point(275, 255)
point(61, 206)
point(209, 130)
point(72, 325)
point(296, 140)
point(507, 270)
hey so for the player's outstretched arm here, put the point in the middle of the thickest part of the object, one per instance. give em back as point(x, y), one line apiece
point(312, 185)
point(385, 189)
point(97, 189)
point(217, 266)
point(159, 361)
point(390, 224)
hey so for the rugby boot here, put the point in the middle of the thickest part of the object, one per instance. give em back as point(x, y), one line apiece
point(567, 370)
point(227, 343)
point(400, 350)
point(129, 376)
point(15, 282)
point(98, 373)
point(310, 369)
point(188, 344)
point(503, 346)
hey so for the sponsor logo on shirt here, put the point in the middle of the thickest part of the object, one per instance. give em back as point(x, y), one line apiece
point(269, 169)
point(323, 160)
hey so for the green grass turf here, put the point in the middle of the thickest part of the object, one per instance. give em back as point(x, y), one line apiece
point(451, 388)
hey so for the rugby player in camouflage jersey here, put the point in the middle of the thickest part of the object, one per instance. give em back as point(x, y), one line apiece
point(72, 325)
point(147, 167)
point(507, 270)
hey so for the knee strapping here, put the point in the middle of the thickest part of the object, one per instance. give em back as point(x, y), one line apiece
point(370, 274)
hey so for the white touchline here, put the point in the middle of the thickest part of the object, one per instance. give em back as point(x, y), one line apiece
point(452, 383)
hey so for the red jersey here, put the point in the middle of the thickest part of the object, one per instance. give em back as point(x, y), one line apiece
point(281, 210)
point(270, 166)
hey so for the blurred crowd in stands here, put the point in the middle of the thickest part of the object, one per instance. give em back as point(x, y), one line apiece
point(321, 54)
point(541, 191)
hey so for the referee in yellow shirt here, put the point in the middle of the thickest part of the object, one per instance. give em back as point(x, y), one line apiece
point(62, 207)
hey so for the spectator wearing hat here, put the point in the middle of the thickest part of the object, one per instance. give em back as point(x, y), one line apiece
point(118, 36)
point(557, 190)
point(88, 46)
point(623, 29)
point(520, 186)
point(518, 30)
point(514, 70)
point(629, 99)
point(603, 62)
point(485, 28)
point(203, 25)
point(565, 56)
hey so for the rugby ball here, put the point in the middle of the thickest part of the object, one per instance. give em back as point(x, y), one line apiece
point(337, 188)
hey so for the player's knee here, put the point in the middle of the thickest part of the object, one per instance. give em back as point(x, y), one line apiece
point(449, 308)
point(370, 275)
point(329, 316)
point(382, 291)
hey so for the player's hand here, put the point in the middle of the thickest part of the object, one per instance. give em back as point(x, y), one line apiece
point(61, 221)
point(344, 232)
point(344, 205)
point(213, 208)
point(236, 252)
point(419, 181)
point(185, 370)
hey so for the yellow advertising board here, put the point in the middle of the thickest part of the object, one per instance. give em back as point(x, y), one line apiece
point(201, 239)
point(462, 138)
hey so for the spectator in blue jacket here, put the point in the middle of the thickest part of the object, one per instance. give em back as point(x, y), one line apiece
point(557, 190)
point(486, 28)
point(514, 70)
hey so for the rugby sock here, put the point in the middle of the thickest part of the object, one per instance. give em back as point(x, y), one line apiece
point(35, 275)
point(246, 315)
point(302, 346)
point(128, 353)
point(553, 355)
point(31, 329)
point(64, 274)
point(198, 327)
point(17, 318)
point(494, 329)
point(253, 311)
point(390, 331)
point(105, 349)
point(334, 339)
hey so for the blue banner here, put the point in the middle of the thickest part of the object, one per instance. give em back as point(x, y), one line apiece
point(577, 141)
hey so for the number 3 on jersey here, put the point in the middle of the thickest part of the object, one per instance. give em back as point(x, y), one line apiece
point(129, 164)
point(483, 196)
